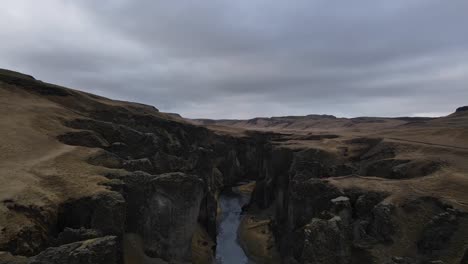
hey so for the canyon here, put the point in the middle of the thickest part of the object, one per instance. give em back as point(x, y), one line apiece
point(87, 179)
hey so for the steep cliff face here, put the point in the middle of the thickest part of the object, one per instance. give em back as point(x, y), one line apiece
point(325, 213)
point(165, 208)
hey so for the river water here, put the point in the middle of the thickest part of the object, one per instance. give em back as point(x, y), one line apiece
point(228, 249)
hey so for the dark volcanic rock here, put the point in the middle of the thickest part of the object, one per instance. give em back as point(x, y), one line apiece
point(104, 212)
point(316, 163)
point(84, 138)
point(104, 250)
point(70, 235)
point(138, 165)
point(163, 209)
point(325, 242)
point(382, 225)
point(462, 109)
point(341, 207)
point(438, 232)
point(366, 202)
point(308, 199)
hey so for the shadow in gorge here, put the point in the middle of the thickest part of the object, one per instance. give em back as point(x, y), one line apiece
point(228, 249)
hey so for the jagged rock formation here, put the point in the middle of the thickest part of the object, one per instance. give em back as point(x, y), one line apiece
point(92, 180)
point(321, 217)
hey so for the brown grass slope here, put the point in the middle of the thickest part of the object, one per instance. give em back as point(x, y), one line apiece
point(37, 171)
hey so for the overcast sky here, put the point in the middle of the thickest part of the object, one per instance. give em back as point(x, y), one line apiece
point(248, 58)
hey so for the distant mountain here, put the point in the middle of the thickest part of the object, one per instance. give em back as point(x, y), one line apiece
point(313, 122)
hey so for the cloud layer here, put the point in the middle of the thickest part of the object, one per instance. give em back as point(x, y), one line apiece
point(241, 59)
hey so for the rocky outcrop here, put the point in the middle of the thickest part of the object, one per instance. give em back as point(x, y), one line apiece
point(382, 226)
point(364, 202)
point(33, 236)
point(70, 235)
point(308, 199)
point(104, 212)
point(163, 210)
point(103, 250)
point(438, 231)
point(84, 138)
point(325, 242)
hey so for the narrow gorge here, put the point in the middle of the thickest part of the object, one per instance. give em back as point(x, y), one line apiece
point(121, 182)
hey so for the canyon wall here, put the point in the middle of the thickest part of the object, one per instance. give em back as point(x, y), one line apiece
point(323, 212)
point(161, 181)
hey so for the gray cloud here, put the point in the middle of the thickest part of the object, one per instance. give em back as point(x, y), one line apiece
point(239, 59)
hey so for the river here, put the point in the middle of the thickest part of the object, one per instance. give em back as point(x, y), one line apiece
point(228, 249)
